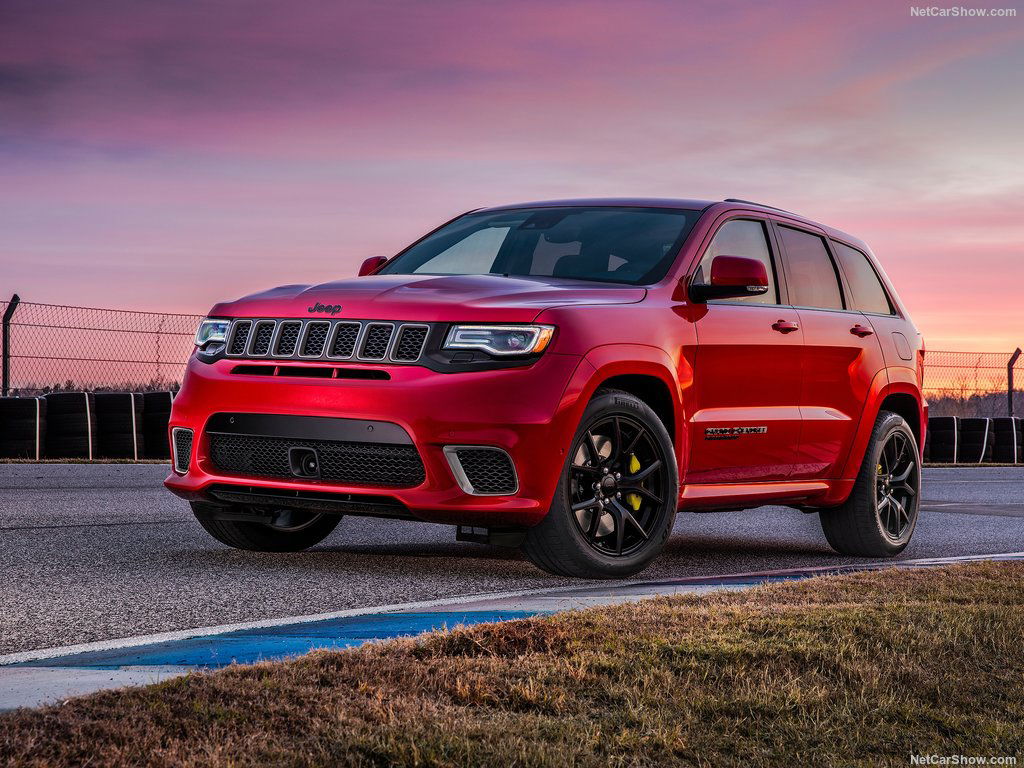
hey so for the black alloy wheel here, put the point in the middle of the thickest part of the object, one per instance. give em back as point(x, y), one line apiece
point(617, 485)
point(896, 483)
point(616, 499)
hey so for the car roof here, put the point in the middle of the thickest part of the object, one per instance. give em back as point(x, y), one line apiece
point(682, 204)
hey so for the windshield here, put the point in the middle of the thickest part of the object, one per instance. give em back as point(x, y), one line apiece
point(617, 245)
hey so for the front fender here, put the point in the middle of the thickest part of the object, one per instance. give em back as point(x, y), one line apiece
point(611, 360)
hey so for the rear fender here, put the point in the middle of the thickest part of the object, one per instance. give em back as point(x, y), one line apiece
point(891, 381)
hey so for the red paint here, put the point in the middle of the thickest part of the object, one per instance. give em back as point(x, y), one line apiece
point(814, 378)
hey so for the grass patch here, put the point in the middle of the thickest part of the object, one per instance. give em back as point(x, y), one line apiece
point(860, 669)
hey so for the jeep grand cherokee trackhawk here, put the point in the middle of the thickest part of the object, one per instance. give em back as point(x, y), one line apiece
point(565, 376)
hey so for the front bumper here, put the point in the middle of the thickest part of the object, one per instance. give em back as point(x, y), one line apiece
point(531, 413)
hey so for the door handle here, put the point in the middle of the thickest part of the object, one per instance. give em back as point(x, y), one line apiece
point(861, 330)
point(785, 326)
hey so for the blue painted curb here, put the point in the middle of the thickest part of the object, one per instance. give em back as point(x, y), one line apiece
point(250, 646)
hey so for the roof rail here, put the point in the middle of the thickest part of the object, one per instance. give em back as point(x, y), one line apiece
point(751, 202)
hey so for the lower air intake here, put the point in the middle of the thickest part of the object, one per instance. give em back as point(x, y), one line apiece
point(377, 464)
point(182, 455)
point(482, 471)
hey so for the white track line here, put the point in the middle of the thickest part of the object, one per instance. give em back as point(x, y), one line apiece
point(220, 629)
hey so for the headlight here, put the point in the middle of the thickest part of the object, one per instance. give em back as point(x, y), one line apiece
point(212, 330)
point(501, 339)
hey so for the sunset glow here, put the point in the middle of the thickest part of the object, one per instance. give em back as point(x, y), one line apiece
point(169, 155)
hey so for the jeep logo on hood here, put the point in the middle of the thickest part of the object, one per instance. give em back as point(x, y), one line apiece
point(332, 309)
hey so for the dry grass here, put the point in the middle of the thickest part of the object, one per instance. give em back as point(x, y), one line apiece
point(861, 669)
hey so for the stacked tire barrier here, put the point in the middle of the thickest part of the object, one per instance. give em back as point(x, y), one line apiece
point(22, 427)
point(156, 413)
point(1008, 440)
point(119, 426)
point(956, 440)
point(940, 443)
point(86, 426)
point(976, 441)
point(71, 425)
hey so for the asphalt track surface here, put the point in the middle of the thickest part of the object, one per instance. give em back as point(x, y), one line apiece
point(96, 552)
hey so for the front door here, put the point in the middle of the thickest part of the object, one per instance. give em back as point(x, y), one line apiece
point(745, 425)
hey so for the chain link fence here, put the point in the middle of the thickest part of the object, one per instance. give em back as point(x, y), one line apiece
point(50, 348)
point(974, 383)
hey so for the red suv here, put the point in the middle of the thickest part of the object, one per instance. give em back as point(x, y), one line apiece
point(565, 376)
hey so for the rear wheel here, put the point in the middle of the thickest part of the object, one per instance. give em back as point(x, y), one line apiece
point(616, 500)
point(289, 530)
point(880, 516)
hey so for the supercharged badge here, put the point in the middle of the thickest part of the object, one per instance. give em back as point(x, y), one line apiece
point(731, 433)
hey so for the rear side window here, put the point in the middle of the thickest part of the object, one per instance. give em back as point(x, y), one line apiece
point(810, 274)
point(741, 237)
point(867, 290)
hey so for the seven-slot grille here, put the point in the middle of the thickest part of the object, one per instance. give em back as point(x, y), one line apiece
point(362, 340)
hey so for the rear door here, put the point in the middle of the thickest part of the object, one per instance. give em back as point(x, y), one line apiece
point(747, 371)
point(841, 352)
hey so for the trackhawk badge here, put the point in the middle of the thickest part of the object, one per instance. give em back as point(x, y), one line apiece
point(731, 433)
point(332, 309)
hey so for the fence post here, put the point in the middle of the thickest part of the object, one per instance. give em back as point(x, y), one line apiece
point(8, 314)
point(1009, 381)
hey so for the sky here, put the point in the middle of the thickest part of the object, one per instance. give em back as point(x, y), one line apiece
point(166, 156)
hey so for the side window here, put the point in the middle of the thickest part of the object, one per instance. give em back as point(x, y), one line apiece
point(747, 238)
point(868, 293)
point(810, 274)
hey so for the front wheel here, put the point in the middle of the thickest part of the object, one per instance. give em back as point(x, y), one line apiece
point(616, 499)
point(289, 530)
point(880, 516)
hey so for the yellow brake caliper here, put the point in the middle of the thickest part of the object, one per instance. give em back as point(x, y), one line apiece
point(633, 498)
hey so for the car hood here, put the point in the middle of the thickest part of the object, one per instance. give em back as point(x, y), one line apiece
point(429, 298)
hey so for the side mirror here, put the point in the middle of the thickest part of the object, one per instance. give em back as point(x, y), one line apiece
point(371, 265)
point(732, 276)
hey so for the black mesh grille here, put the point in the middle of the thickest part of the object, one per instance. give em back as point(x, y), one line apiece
point(316, 338)
point(396, 466)
point(375, 345)
point(241, 336)
point(288, 338)
point(410, 343)
point(182, 449)
point(345, 340)
point(488, 470)
point(264, 333)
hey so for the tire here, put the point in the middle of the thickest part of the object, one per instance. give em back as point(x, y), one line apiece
point(858, 527)
point(263, 537)
point(582, 543)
